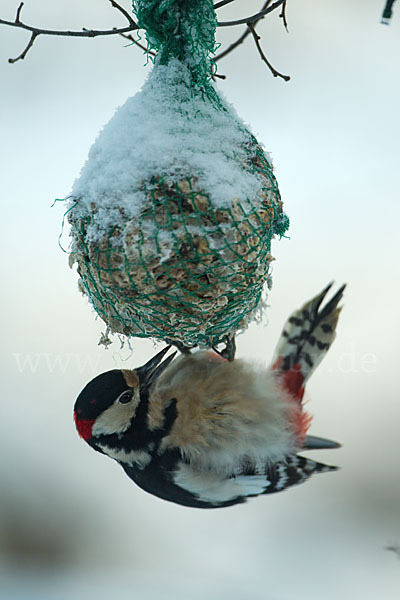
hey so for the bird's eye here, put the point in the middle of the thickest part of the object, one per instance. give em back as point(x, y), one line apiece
point(125, 397)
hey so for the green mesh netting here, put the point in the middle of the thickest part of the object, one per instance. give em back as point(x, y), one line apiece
point(182, 29)
point(185, 268)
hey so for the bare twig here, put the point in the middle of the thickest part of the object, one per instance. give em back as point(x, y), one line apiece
point(387, 12)
point(217, 76)
point(251, 23)
point(89, 33)
point(257, 38)
point(132, 39)
point(214, 74)
point(27, 48)
point(222, 3)
point(17, 18)
point(124, 12)
point(283, 16)
point(252, 18)
point(235, 44)
point(240, 39)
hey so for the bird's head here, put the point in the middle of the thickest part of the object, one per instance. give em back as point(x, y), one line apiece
point(109, 405)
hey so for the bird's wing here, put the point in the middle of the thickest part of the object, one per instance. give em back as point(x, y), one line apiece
point(250, 481)
point(175, 481)
point(182, 483)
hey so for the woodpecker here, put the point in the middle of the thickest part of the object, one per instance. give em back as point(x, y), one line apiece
point(205, 432)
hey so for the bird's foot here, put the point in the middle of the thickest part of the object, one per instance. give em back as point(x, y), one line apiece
point(179, 345)
point(230, 348)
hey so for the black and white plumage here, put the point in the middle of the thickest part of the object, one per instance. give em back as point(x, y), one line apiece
point(204, 432)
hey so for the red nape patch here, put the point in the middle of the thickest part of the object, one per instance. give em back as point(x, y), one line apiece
point(84, 427)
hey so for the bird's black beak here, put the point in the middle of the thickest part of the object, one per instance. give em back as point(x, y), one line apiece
point(150, 372)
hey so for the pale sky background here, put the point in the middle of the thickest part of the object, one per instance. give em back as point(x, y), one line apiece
point(72, 525)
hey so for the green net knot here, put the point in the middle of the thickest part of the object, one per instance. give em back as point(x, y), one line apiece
point(182, 29)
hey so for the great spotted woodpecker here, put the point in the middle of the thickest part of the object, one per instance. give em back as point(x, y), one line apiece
point(205, 432)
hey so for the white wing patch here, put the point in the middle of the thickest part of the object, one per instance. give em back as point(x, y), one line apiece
point(212, 487)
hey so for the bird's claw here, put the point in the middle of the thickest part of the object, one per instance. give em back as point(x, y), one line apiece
point(230, 348)
point(179, 345)
point(228, 353)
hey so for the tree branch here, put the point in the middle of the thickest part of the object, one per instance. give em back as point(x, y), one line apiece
point(252, 18)
point(241, 38)
point(250, 29)
point(257, 38)
point(132, 26)
point(234, 45)
point(222, 3)
point(283, 16)
point(88, 33)
point(132, 39)
point(214, 74)
point(17, 18)
point(125, 13)
point(25, 52)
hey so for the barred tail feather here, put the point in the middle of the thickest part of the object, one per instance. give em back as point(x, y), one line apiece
point(305, 339)
point(295, 470)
